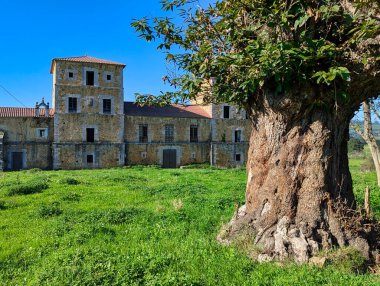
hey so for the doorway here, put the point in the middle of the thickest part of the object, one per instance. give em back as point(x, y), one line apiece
point(17, 161)
point(169, 158)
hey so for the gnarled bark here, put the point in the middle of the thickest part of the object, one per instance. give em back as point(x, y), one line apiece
point(299, 197)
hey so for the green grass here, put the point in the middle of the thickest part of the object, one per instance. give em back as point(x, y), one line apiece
point(138, 226)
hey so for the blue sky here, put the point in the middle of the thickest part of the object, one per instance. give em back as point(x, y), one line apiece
point(32, 33)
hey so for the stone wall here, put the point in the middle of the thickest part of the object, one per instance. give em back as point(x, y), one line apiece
point(70, 148)
point(1, 151)
point(23, 135)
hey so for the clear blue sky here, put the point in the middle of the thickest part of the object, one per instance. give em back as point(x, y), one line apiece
point(32, 33)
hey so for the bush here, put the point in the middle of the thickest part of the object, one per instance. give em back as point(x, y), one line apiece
point(3, 205)
point(355, 145)
point(69, 181)
point(27, 188)
point(50, 210)
point(72, 197)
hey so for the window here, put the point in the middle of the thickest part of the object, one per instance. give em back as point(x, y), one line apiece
point(107, 106)
point(238, 157)
point(90, 159)
point(237, 136)
point(193, 156)
point(143, 155)
point(71, 74)
point(42, 133)
point(226, 111)
point(73, 104)
point(143, 133)
point(109, 77)
point(193, 133)
point(169, 133)
point(90, 76)
point(90, 135)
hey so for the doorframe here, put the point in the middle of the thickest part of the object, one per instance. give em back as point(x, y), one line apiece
point(10, 158)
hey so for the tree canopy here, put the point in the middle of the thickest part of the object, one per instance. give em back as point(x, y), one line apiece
point(243, 47)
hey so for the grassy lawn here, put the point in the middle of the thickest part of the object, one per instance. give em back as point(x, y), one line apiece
point(139, 226)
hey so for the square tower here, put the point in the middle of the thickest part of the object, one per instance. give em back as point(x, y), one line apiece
point(88, 102)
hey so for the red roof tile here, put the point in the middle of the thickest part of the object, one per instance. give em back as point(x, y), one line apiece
point(175, 110)
point(85, 59)
point(23, 112)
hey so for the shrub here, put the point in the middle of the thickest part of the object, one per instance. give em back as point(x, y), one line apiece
point(50, 210)
point(27, 188)
point(69, 181)
point(355, 145)
point(3, 205)
point(72, 197)
point(34, 170)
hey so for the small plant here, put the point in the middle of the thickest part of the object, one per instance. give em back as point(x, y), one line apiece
point(53, 209)
point(72, 197)
point(34, 170)
point(69, 181)
point(27, 188)
point(3, 205)
point(177, 204)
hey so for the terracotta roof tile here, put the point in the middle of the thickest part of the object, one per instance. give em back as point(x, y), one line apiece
point(85, 59)
point(175, 110)
point(23, 112)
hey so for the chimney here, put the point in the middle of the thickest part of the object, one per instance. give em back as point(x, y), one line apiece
point(37, 111)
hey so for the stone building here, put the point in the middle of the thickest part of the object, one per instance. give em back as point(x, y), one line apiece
point(90, 126)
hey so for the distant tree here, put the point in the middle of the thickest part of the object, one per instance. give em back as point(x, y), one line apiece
point(300, 68)
point(368, 135)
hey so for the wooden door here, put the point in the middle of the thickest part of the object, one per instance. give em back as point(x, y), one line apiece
point(169, 158)
point(17, 161)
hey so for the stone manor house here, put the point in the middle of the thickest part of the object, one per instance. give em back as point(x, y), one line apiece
point(90, 126)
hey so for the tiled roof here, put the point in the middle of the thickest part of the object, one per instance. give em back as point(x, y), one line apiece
point(85, 59)
point(175, 110)
point(23, 112)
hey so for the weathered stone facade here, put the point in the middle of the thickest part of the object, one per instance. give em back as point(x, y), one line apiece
point(90, 126)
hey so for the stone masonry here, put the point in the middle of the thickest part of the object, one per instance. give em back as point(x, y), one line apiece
point(90, 126)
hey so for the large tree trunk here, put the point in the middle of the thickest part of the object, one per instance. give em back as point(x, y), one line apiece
point(299, 196)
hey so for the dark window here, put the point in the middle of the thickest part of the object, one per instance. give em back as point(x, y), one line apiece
point(143, 133)
point(109, 77)
point(90, 159)
point(107, 106)
point(73, 104)
point(90, 75)
point(42, 133)
point(169, 133)
point(90, 134)
point(71, 74)
point(193, 133)
point(226, 112)
point(237, 135)
point(237, 157)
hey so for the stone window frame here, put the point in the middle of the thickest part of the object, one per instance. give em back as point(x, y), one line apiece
point(108, 74)
point(141, 137)
point(79, 106)
point(38, 130)
point(234, 135)
point(101, 98)
point(67, 74)
point(192, 138)
point(169, 138)
point(229, 111)
point(193, 155)
point(96, 76)
point(241, 157)
point(96, 133)
point(93, 159)
point(144, 155)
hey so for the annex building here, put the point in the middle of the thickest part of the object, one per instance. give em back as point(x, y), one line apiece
point(89, 125)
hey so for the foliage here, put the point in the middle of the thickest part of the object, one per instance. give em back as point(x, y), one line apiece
point(144, 231)
point(27, 188)
point(239, 49)
point(355, 145)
